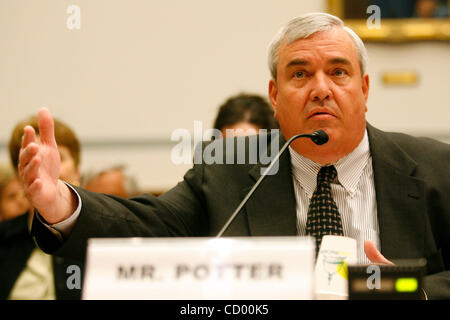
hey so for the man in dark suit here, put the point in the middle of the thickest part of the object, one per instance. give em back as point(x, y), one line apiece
point(391, 190)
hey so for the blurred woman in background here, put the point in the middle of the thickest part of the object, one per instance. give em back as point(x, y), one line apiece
point(245, 114)
point(13, 202)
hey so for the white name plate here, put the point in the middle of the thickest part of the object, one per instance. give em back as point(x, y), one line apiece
point(200, 268)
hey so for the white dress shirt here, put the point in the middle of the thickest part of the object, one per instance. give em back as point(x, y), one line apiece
point(353, 191)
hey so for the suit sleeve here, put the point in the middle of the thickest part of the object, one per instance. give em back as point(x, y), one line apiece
point(178, 213)
point(437, 286)
point(437, 283)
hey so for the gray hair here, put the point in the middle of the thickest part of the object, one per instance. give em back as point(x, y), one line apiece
point(306, 25)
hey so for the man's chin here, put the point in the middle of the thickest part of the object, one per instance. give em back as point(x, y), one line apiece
point(327, 128)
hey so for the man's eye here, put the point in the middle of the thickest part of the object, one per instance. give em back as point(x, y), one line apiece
point(299, 74)
point(339, 72)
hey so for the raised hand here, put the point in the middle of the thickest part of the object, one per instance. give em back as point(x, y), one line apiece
point(39, 169)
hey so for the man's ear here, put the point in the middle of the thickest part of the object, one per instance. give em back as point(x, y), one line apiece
point(273, 93)
point(365, 87)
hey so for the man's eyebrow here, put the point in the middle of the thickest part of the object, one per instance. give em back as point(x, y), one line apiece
point(297, 62)
point(301, 62)
point(340, 60)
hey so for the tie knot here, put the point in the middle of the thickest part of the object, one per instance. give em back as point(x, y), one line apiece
point(326, 174)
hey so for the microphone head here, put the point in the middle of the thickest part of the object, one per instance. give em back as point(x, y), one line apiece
point(319, 137)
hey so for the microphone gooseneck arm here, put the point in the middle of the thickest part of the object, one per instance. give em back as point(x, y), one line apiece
point(319, 137)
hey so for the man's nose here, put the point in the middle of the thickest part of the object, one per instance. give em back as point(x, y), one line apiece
point(321, 88)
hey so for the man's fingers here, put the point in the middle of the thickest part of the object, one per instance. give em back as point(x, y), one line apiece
point(31, 172)
point(28, 136)
point(46, 127)
point(373, 254)
point(34, 188)
point(26, 155)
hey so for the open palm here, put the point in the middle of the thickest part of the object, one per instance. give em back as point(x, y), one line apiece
point(39, 169)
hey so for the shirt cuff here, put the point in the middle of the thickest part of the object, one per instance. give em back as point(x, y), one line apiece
point(65, 227)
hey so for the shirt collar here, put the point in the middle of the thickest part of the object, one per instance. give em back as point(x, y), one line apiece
point(349, 168)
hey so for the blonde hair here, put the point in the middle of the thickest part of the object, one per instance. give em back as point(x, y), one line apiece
point(7, 173)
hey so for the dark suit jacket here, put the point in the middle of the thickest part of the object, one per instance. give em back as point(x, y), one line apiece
point(16, 246)
point(412, 185)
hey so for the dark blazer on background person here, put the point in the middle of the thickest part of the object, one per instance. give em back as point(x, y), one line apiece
point(16, 247)
point(412, 183)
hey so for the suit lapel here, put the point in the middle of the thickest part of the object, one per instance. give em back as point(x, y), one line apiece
point(271, 211)
point(400, 198)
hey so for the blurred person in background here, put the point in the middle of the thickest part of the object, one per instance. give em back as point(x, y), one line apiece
point(27, 272)
point(111, 180)
point(430, 9)
point(247, 112)
point(13, 202)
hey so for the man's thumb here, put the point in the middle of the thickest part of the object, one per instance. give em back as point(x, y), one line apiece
point(373, 254)
point(46, 127)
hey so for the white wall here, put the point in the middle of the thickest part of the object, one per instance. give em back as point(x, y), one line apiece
point(137, 70)
point(420, 109)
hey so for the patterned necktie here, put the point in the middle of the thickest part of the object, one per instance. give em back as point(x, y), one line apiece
point(323, 215)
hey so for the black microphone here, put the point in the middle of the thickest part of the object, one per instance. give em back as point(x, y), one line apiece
point(319, 137)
